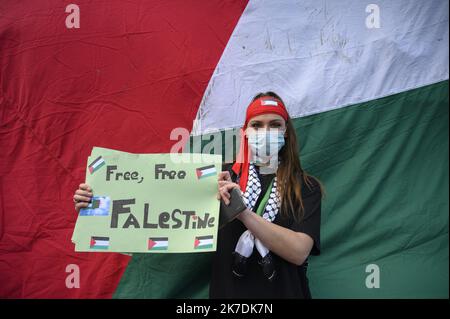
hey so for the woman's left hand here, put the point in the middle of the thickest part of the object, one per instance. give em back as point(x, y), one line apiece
point(225, 188)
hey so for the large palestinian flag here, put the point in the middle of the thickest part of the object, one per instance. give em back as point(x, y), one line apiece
point(366, 86)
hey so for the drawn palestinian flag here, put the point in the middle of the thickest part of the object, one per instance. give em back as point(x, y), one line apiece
point(99, 242)
point(158, 243)
point(203, 242)
point(95, 165)
point(206, 171)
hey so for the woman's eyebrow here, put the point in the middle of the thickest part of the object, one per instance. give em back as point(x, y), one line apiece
point(258, 122)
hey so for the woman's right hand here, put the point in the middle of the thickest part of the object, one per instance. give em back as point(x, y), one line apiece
point(225, 185)
point(82, 197)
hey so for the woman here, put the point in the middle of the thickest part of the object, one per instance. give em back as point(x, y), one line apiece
point(263, 254)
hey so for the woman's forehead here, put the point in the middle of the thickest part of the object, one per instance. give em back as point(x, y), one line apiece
point(268, 117)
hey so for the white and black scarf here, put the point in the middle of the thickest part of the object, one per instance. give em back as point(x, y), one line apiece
point(247, 241)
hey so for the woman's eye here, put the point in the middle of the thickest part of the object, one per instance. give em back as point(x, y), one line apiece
point(276, 126)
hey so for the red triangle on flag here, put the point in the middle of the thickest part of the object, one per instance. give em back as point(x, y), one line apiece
point(205, 28)
point(92, 242)
point(197, 242)
point(151, 243)
point(199, 173)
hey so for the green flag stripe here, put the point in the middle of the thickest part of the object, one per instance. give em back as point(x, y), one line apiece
point(384, 165)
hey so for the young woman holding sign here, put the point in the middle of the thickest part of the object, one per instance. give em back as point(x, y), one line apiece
point(263, 253)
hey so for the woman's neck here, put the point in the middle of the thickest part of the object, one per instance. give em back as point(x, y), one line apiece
point(265, 168)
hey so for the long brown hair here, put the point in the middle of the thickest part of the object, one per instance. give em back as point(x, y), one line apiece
point(290, 171)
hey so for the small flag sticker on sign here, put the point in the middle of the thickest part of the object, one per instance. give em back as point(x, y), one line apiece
point(206, 171)
point(99, 206)
point(203, 242)
point(95, 165)
point(99, 242)
point(158, 243)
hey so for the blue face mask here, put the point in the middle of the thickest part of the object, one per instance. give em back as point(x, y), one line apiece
point(264, 145)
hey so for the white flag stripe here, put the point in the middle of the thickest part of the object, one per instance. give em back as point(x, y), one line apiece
point(98, 163)
point(274, 103)
point(161, 243)
point(101, 243)
point(205, 242)
point(319, 56)
point(208, 171)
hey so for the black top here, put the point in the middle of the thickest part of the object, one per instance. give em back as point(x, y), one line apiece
point(291, 280)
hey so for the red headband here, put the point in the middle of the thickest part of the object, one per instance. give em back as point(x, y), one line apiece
point(262, 105)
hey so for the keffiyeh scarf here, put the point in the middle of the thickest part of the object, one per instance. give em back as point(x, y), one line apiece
point(268, 209)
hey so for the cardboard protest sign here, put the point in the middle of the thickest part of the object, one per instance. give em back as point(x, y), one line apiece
point(149, 203)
